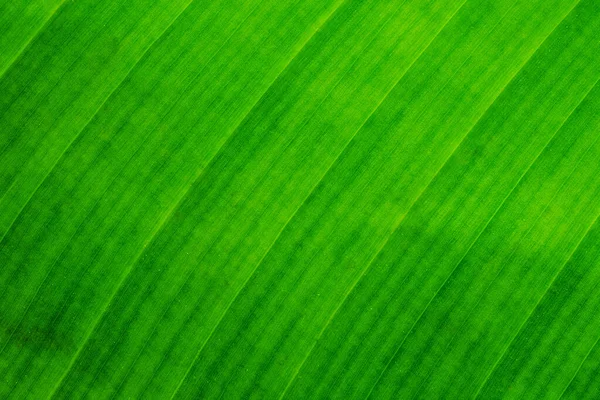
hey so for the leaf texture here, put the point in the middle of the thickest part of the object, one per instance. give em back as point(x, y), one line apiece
point(334, 199)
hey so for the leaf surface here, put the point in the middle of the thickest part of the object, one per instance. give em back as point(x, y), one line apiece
point(300, 199)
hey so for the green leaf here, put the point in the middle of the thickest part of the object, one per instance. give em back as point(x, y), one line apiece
point(330, 199)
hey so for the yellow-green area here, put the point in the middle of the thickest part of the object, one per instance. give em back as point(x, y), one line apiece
point(318, 199)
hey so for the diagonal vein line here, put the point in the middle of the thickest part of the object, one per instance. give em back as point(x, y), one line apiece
point(404, 280)
point(478, 236)
point(498, 273)
point(579, 368)
point(370, 261)
point(551, 282)
point(37, 293)
point(270, 247)
point(535, 307)
point(108, 97)
point(75, 232)
point(528, 232)
point(480, 298)
point(184, 194)
point(161, 223)
point(47, 93)
point(264, 177)
point(37, 33)
point(145, 52)
point(27, 118)
point(299, 207)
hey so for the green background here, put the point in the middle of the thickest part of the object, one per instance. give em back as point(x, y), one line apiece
point(304, 199)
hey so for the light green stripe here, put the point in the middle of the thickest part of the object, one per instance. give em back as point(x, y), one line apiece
point(332, 237)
